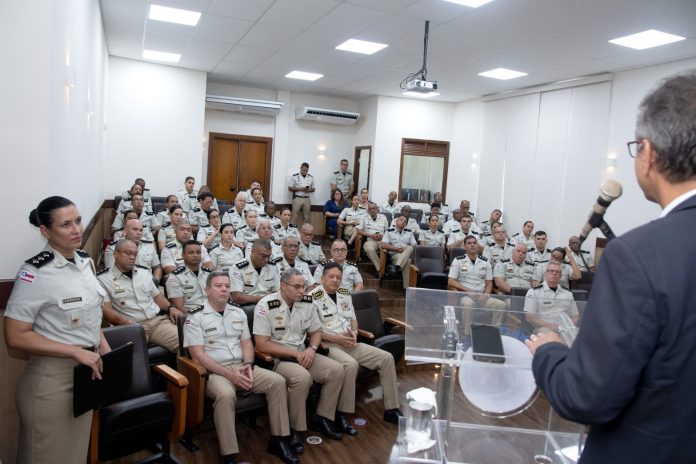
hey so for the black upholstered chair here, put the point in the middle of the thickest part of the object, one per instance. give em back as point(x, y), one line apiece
point(372, 329)
point(428, 268)
point(455, 253)
point(141, 418)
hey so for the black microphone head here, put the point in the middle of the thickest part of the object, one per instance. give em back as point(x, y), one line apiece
point(610, 190)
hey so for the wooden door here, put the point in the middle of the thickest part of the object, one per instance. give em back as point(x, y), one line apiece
point(234, 161)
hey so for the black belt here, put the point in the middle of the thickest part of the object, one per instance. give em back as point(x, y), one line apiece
point(93, 348)
point(294, 195)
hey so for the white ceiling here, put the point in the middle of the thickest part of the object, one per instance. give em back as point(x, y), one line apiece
point(256, 42)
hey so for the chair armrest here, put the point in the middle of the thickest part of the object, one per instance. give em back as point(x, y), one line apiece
point(358, 247)
point(413, 276)
point(397, 322)
point(365, 334)
point(196, 375)
point(382, 262)
point(176, 388)
point(265, 357)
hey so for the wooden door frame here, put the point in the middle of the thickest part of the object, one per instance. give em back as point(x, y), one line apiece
point(356, 172)
point(244, 138)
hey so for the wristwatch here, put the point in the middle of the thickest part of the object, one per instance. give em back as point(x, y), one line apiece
point(314, 347)
point(169, 308)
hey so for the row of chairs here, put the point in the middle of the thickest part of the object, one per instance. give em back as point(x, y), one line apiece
point(145, 417)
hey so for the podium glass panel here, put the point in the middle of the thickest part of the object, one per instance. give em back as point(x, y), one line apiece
point(489, 409)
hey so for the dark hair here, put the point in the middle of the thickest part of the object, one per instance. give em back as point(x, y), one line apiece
point(214, 274)
point(436, 204)
point(466, 239)
point(42, 215)
point(211, 211)
point(344, 160)
point(285, 208)
point(342, 200)
point(527, 222)
point(255, 189)
point(271, 203)
point(261, 243)
point(190, 243)
point(188, 178)
point(203, 195)
point(225, 226)
point(667, 117)
point(331, 265)
point(139, 180)
point(539, 233)
point(560, 250)
point(174, 207)
point(170, 196)
point(305, 164)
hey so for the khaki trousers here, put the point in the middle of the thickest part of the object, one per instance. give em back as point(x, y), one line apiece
point(300, 206)
point(371, 358)
point(161, 331)
point(403, 260)
point(48, 432)
point(323, 370)
point(371, 247)
point(224, 394)
point(474, 312)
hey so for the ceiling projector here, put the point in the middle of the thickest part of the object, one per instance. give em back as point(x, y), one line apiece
point(421, 85)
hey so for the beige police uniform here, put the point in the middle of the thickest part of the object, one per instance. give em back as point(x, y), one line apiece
point(301, 202)
point(584, 260)
point(147, 219)
point(147, 254)
point(403, 239)
point(198, 217)
point(496, 253)
point(63, 302)
point(223, 258)
point(258, 207)
point(537, 256)
point(450, 225)
point(520, 238)
point(185, 283)
point(348, 215)
point(311, 253)
point(473, 275)
point(172, 255)
point(343, 181)
point(411, 225)
point(516, 275)
point(221, 335)
point(442, 218)
point(162, 217)
point(187, 200)
point(300, 264)
point(206, 231)
point(351, 274)
point(273, 318)
point(166, 234)
point(276, 251)
point(246, 235)
point(459, 235)
point(280, 232)
point(378, 225)
point(126, 203)
point(566, 271)
point(133, 297)
point(549, 304)
point(392, 209)
point(336, 319)
point(231, 216)
point(430, 238)
point(245, 279)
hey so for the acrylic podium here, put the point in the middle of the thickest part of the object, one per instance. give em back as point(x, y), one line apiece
point(489, 410)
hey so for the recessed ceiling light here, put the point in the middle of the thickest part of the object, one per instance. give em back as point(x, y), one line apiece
point(174, 15)
point(502, 74)
point(421, 94)
point(161, 56)
point(647, 39)
point(471, 3)
point(305, 76)
point(361, 46)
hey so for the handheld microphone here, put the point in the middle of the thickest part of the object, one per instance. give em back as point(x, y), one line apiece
point(609, 191)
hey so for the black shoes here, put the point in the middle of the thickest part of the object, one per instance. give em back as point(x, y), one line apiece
point(341, 423)
point(296, 442)
point(323, 425)
point(277, 446)
point(393, 270)
point(228, 459)
point(392, 415)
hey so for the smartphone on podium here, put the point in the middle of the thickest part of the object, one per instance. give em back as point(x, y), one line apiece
point(486, 344)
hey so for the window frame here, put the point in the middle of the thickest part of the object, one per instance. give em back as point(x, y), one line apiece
point(434, 152)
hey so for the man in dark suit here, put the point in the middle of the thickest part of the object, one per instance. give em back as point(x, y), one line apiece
point(632, 369)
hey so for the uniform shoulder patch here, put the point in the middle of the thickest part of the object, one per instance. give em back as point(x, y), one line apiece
point(391, 229)
point(142, 267)
point(231, 210)
point(530, 249)
point(515, 235)
point(170, 245)
point(113, 242)
point(195, 309)
point(296, 174)
point(179, 270)
point(275, 260)
point(233, 304)
point(537, 286)
point(348, 172)
point(150, 213)
point(213, 247)
point(316, 243)
point(456, 231)
point(272, 304)
point(82, 253)
point(564, 288)
point(509, 243)
point(304, 260)
point(166, 224)
point(484, 222)
point(318, 294)
point(145, 241)
point(406, 229)
point(306, 299)
point(504, 261)
point(119, 229)
point(241, 264)
point(207, 269)
point(460, 257)
point(241, 227)
point(336, 172)
point(351, 263)
point(103, 271)
point(548, 251)
point(482, 257)
point(292, 225)
point(277, 226)
point(585, 251)
point(343, 291)
point(41, 259)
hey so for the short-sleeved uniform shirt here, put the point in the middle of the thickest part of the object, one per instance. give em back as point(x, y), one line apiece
point(300, 264)
point(245, 279)
point(470, 274)
point(223, 258)
point(549, 304)
point(220, 334)
point(516, 275)
point(351, 275)
point(335, 317)
point(286, 326)
point(131, 295)
point(312, 253)
point(184, 282)
point(342, 181)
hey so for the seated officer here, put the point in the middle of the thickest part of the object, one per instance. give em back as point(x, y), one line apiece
point(188, 196)
point(173, 254)
point(119, 233)
point(135, 299)
point(256, 203)
point(283, 228)
point(147, 254)
point(525, 237)
point(472, 273)
point(583, 258)
point(198, 216)
point(226, 253)
point(126, 202)
point(217, 337)
point(162, 216)
point(411, 223)
point(185, 285)
point(339, 330)
point(498, 248)
point(545, 303)
point(569, 268)
point(351, 279)
point(235, 215)
point(264, 231)
point(310, 250)
point(487, 226)
point(289, 259)
point(435, 210)
point(432, 235)
point(539, 253)
point(444, 207)
point(453, 223)
point(209, 235)
point(350, 219)
point(373, 227)
point(253, 278)
point(399, 242)
point(516, 272)
point(167, 233)
point(282, 321)
point(392, 206)
point(147, 218)
point(458, 235)
point(246, 233)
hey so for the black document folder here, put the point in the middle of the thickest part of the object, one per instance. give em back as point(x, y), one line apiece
point(117, 373)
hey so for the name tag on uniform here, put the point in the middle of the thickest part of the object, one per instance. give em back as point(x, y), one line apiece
point(119, 290)
point(189, 287)
point(71, 303)
point(547, 303)
point(211, 330)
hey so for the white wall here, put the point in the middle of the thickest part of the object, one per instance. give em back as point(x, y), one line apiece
point(465, 154)
point(155, 120)
point(50, 144)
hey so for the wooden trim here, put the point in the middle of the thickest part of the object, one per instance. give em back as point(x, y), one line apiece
point(356, 172)
point(245, 138)
point(5, 290)
point(404, 141)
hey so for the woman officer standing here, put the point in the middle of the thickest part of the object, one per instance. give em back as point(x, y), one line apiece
point(54, 313)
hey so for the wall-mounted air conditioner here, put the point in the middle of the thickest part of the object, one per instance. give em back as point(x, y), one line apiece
point(345, 118)
point(243, 105)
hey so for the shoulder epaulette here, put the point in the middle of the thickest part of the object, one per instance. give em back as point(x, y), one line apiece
point(119, 229)
point(145, 241)
point(542, 261)
point(456, 231)
point(585, 251)
point(207, 269)
point(274, 304)
point(213, 247)
point(537, 286)
point(351, 263)
point(231, 210)
point(195, 210)
point(444, 204)
point(102, 271)
point(515, 235)
point(482, 257)
point(548, 250)
point(508, 243)
point(170, 245)
point(310, 175)
point(179, 270)
point(231, 302)
point(484, 222)
point(460, 257)
point(149, 213)
point(195, 309)
point(318, 294)
point(263, 215)
point(166, 224)
point(113, 242)
point(241, 227)
point(531, 263)
point(146, 190)
point(324, 261)
point(336, 172)
point(306, 299)
point(486, 235)
point(142, 267)
point(275, 260)
point(277, 226)
point(41, 259)
point(406, 229)
point(504, 260)
point(343, 291)
point(348, 172)
point(304, 260)
point(292, 225)
point(391, 229)
point(241, 264)
point(296, 174)
point(531, 249)
point(82, 253)
point(316, 243)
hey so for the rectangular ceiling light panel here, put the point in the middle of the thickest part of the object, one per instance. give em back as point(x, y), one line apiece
point(305, 76)
point(154, 55)
point(502, 73)
point(174, 15)
point(647, 39)
point(470, 3)
point(361, 46)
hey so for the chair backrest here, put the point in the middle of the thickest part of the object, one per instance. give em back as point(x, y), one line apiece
point(388, 215)
point(368, 312)
point(180, 321)
point(417, 214)
point(249, 311)
point(456, 252)
point(142, 377)
point(429, 258)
